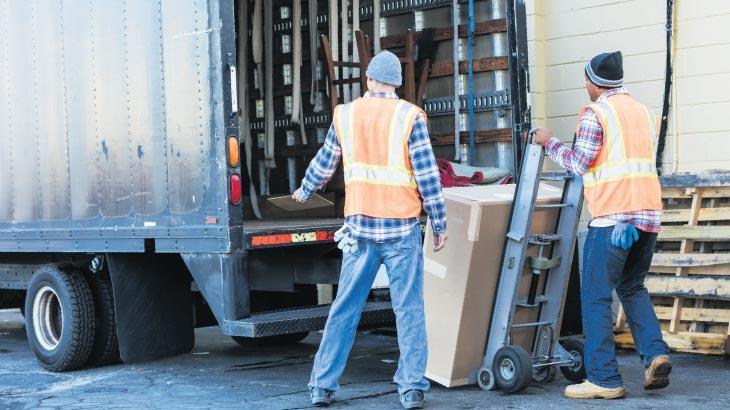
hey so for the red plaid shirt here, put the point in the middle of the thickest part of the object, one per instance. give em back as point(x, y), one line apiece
point(588, 143)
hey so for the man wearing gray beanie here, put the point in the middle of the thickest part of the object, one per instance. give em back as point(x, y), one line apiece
point(614, 152)
point(390, 177)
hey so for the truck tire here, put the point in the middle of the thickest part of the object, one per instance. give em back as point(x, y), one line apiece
point(60, 319)
point(106, 343)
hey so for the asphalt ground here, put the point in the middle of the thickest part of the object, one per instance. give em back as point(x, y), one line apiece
point(220, 374)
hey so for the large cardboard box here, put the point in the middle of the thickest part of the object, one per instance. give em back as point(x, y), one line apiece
point(460, 282)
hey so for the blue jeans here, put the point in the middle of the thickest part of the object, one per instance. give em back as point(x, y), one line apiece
point(605, 268)
point(403, 259)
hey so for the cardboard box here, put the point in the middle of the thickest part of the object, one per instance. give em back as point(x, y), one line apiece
point(460, 282)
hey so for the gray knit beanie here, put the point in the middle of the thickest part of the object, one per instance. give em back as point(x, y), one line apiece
point(385, 67)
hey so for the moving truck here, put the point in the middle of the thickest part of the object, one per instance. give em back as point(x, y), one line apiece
point(134, 177)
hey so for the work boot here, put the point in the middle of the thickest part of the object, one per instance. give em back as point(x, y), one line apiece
point(321, 397)
point(588, 390)
point(656, 375)
point(412, 399)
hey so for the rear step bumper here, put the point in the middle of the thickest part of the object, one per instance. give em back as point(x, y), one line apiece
point(302, 320)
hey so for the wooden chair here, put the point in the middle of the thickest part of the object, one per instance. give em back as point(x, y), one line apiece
point(411, 92)
point(333, 67)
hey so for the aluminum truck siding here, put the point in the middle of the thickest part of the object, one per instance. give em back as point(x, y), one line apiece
point(113, 120)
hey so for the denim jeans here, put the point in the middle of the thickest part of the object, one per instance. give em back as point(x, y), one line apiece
point(605, 268)
point(403, 259)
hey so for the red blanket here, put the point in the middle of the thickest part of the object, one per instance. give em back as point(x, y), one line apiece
point(450, 179)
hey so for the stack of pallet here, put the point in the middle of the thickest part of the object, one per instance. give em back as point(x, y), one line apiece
point(689, 280)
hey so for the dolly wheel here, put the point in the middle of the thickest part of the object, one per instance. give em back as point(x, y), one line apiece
point(544, 374)
point(485, 379)
point(512, 368)
point(577, 372)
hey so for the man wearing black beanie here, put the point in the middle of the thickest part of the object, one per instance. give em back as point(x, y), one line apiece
point(614, 152)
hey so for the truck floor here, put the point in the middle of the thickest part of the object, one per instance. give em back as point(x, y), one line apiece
point(220, 374)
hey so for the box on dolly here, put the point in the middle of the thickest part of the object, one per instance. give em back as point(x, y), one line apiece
point(460, 282)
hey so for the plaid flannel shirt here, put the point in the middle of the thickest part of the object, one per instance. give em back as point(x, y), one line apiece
point(588, 143)
point(425, 171)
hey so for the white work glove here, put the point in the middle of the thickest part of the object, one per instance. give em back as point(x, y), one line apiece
point(299, 196)
point(340, 233)
point(439, 241)
point(345, 241)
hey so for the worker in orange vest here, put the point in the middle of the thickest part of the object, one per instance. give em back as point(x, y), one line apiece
point(389, 166)
point(614, 152)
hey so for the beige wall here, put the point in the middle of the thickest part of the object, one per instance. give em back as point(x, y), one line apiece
point(564, 34)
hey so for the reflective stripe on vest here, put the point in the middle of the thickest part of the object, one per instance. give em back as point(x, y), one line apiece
point(618, 166)
point(344, 122)
point(612, 172)
point(393, 174)
point(382, 175)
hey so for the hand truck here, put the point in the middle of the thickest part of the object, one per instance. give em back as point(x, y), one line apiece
point(507, 366)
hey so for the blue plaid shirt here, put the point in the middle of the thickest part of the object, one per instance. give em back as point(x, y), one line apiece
point(425, 171)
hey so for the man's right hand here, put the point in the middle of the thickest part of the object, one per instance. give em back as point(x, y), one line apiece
point(541, 136)
point(299, 195)
point(439, 241)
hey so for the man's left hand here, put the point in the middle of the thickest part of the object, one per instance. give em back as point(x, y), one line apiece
point(541, 136)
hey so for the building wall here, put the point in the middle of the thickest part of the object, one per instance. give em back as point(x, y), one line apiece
point(564, 34)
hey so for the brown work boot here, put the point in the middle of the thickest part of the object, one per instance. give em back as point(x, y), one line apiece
point(588, 390)
point(656, 376)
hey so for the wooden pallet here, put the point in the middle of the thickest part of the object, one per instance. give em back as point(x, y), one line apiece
point(689, 279)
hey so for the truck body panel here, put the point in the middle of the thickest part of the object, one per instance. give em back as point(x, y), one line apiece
point(114, 127)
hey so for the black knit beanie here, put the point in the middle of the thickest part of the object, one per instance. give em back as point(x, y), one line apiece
point(606, 70)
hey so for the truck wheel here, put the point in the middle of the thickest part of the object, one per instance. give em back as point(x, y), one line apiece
point(106, 344)
point(59, 320)
point(577, 372)
point(277, 340)
point(512, 368)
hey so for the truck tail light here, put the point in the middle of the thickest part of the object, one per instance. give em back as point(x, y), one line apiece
point(236, 189)
point(233, 151)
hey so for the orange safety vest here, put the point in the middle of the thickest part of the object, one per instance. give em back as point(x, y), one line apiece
point(623, 177)
point(373, 135)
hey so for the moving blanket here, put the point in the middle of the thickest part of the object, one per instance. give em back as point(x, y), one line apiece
point(458, 175)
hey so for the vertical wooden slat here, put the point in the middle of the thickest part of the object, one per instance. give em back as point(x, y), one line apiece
point(410, 70)
point(686, 247)
point(700, 303)
point(363, 51)
point(330, 69)
point(423, 78)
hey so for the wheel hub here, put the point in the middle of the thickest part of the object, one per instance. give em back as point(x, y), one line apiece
point(507, 369)
point(47, 318)
point(577, 360)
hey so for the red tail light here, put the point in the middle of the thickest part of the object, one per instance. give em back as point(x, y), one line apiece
point(236, 191)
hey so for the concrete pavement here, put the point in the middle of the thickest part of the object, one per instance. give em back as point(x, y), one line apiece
point(221, 374)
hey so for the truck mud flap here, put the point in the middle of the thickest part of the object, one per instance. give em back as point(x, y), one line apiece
point(153, 304)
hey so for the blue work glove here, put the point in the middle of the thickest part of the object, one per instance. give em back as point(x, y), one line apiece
point(624, 235)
